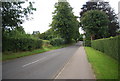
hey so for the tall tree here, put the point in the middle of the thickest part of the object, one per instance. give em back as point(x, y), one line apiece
point(103, 6)
point(48, 35)
point(95, 23)
point(64, 21)
point(76, 29)
point(14, 14)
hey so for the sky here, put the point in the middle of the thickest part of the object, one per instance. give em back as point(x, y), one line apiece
point(42, 17)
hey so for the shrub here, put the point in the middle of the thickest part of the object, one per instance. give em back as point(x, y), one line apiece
point(46, 43)
point(72, 41)
point(20, 44)
point(87, 43)
point(57, 41)
point(108, 46)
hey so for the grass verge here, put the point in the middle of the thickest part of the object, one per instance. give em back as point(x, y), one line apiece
point(104, 66)
point(11, 55)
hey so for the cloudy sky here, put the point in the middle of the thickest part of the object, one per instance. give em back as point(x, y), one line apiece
point(43, 15)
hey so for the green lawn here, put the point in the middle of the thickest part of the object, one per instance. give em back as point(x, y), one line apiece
point(11, 55)
point(104, 66)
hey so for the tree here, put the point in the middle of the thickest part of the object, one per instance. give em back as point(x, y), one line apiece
point(95, 23)
point(48, 35)
point(103, 6)
point(14, 14)
point(64, 21)
point(18, 32)
point(80, 37)
point(76, 29)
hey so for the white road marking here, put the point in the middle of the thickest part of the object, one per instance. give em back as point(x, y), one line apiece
point(33, 62)
point(62, 69)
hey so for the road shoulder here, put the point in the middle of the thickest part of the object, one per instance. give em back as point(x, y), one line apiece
point(78, 67)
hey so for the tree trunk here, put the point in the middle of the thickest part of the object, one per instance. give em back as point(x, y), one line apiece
point(92, 37)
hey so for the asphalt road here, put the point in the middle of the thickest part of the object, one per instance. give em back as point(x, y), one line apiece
point(40, 66)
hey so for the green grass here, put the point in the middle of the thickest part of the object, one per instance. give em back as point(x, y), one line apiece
point(11, 55)
point(104, 66)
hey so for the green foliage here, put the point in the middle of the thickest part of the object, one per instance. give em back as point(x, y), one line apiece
point(14, 14)
point(87, 40)
point(20, 44)
point(95, 22)
point(105, 7)
point(64, 22)
point(80, 37)
point(108, 46)
point(76, 30)
point(46, 44)
point(57, 41)
point(47, 35)
point(13, 36)
point(18, 32)
point(11, 55)
point(36, 34)
point(88, 43)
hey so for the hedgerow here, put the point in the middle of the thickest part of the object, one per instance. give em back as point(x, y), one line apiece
point(87, 43)
point(20, 44)
point(57, 41)
point(109, 46)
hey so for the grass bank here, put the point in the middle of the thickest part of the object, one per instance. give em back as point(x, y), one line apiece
point(104, 66)
point(11, 55)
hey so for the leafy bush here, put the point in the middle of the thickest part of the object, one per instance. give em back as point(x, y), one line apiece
point(46, 43)
point(80, 38)
point(73, 41)
point(20, 44)
point(87, 43)
point(108, 46)
point(57, 41)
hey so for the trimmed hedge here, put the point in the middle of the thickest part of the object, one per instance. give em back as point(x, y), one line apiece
point(88, 43)
point(108, 46)
point(57, 41)
point(20, 44)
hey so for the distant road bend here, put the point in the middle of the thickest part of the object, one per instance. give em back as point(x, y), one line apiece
point(40, 66)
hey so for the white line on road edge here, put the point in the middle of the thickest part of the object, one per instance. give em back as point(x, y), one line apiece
point(33, 62)
point(68, 62)
point(62, 69)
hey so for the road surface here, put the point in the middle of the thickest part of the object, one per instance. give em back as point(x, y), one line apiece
point(78, 67)
point(40, 66)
